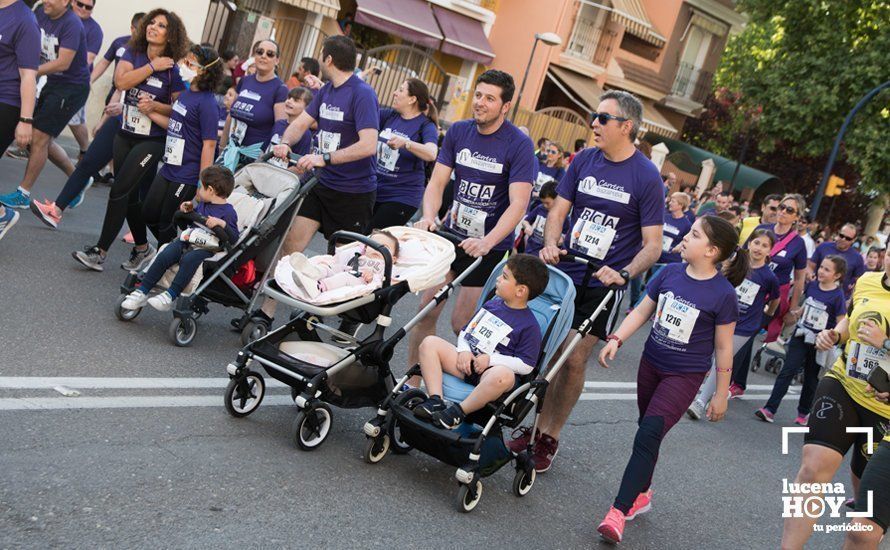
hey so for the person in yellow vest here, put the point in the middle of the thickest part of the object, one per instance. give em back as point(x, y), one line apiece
point(769, 209)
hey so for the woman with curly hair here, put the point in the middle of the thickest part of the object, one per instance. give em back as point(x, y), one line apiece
point(149, 78)
point(191, 142)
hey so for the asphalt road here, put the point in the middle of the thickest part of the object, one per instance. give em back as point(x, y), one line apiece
point(145, 455)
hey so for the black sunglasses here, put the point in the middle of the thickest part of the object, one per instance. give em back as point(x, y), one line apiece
point(604, 118)
point(271, 54)
point(788, 209)
point(84, 6)
point(846, 237)
point(552, 152)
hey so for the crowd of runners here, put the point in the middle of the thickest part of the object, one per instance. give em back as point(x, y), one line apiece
point(704, 281)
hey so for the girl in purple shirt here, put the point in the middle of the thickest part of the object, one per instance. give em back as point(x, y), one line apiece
point(695, 311)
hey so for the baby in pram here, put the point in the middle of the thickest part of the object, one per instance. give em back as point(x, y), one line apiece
point(502, 341)
point(194, 244)
point(349, 266)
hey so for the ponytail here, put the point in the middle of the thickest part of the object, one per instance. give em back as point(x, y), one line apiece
point(432, 112)
point(418, 89)
point(724, 236)
point(736, 268)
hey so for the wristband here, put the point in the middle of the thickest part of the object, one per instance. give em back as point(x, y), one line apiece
point(26, 120)
point(615, 338)
point(727, 369)
point(152, 67)
point(837, 336)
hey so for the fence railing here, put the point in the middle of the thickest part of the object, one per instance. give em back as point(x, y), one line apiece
point(692, 82)
point(590, 41)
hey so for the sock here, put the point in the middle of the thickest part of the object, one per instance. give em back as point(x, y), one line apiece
point(24, 191)
point(170, 294)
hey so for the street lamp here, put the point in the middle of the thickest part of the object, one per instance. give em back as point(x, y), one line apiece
point(549, 38)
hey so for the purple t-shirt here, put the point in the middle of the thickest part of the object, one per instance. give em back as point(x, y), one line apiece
point(401, 175)
point(759, 288)
point(537, 218)
point(484, 168)
point(690, 215)
point(192, 122)
point(687, 312)
point(612, 202)
point(65, 32)
point(19, 49)
point(94, 35)
point(226, 212)
point(821, 307)
point(117, 48)
point(855, 263)
point(302, 147)
point(253, 113)
point(790, 258)
point(674, 231)
point(160, 87)
point(497, 328)
point(341, 112)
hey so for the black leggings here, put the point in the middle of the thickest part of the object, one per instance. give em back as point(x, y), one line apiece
point(9, 119)
point(135, 164)
point(388, 214)
point(161, 202)
point(876, 478)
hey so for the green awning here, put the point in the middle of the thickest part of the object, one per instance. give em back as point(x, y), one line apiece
point(689, 158)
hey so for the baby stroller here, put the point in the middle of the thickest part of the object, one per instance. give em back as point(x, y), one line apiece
point(265, 198)
point(352, 375)
point(477, 447)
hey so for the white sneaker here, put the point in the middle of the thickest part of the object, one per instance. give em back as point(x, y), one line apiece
point(135, 300)
point(161, 302)
point(696, 410)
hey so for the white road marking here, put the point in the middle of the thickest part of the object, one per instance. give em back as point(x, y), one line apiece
point(632, 397)
point(129, 402)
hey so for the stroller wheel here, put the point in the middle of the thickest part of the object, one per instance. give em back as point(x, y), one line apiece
point(772, 365)
point(125, 314)
point(244, 394)
point(755, 364)
point(182, 331)
point(312, 426)
point(253, 331)
point(376, 448)
point(408, 399)
point(466, 500)
point(523, 481)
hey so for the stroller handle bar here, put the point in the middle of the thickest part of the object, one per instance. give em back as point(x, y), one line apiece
point(292, 158)
point(367, 241)
point(194, 217)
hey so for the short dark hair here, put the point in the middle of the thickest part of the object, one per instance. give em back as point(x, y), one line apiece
point(770, 198)
point(840, 264)
point(301, 94)
point(548, 190)
point(579, 144)
point(137, 17)
point(220, 179)
point(531, 272)
point(311, 65)
point(342, 51)
point(500, 79)
point(228, 54)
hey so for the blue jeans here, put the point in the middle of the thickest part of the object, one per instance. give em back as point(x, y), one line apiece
point(800, 355)
point(177, 252)
point(97, 155)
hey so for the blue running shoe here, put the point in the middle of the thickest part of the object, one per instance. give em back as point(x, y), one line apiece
point(78, 200)
point(7, 220)
point(16, 199)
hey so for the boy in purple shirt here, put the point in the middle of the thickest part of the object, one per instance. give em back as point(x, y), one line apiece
point(502, 341)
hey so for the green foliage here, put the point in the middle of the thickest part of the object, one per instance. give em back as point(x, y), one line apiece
point(806, 63)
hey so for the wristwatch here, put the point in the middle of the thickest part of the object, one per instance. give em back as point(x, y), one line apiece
point(625, 275)
point(326, 157)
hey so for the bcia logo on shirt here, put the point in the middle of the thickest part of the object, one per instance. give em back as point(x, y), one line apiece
point(480, 162)
point(591, 215)
point(603, 189)
point(475, 191)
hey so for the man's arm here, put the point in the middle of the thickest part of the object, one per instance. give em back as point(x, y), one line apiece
point(58, 65)
point(556, 217)
point(800, 276)
point(28, 92)
point(295, 130)
point(432, 196)
point(648, 255)
point(99, 69)
point(365, 147)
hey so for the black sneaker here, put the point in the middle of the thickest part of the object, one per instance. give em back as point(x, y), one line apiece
point(139, 258)
point(430, 407)
point(450, 418)
point(90, 257)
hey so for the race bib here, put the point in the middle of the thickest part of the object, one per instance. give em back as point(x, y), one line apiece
point(667, 243)
point(328, 142)
point(469, 220)
point(676, 318)
point(154, 82)
point(173, 151)
point(387, 157)
point(747, 292)
point(48, 47)
point(592, 239)
point(814, 318)
point(538, 228)
point(237, 131)
point(862, 359)
point(486, 331)
point(136, 122)
point(540, 181)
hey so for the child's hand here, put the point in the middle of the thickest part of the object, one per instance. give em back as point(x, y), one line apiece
point(481, 363)
point(795, 313)
point(367, 275)
point(826, 340)
point(186, 207)
point(214, 222)
point(608, 351)
point(526, 228)
point(465, 362)
point(717, 409)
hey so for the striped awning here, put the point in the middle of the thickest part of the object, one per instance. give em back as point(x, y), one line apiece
point(632, 15)
point(328, 8)
point(707, 23)
point(654, 122)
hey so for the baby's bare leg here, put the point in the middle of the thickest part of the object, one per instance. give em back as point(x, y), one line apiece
point(437, 356)
point(494, 382)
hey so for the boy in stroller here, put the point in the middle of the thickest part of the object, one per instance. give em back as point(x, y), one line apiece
point(502, 340)
point(194, 245)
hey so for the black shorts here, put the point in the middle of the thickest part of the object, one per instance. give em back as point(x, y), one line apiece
point(586, 302)
point(483, 271)
point(57, 105)
point(876, 479)
point(388, 214)
point(833, 412)
point(337, 210)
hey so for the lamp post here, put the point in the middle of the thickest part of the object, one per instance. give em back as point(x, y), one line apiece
point(549, 38)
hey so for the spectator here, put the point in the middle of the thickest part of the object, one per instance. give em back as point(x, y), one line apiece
point(307, 66)
point(874, 260)
point(842, 246)
point(580, 145)
point(769, 210)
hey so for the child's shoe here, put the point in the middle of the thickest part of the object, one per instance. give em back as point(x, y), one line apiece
point(428, 408)
point(161, 302)
point(450, 418)
point(135, 300)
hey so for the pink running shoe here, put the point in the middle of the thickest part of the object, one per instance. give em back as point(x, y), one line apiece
point(764, 414)
point(802, 419)
point(612, 528)
point(48, 213)
point(128, 238)
point(642, 504)
point(735, 391)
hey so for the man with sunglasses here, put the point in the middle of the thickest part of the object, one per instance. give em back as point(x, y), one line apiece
point(842, 246)
point(614, 197)
point(769, 209)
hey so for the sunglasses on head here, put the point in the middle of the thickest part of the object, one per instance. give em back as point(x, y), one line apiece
point(87, 7)
point(604, 118)
point(271, 54)
point(788, 209)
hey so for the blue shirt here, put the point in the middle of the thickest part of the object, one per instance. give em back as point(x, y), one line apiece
point(400, 174)
point(94, 36)
point(19, 49)
point(758, 289)
point(855, 263)
point(65, 32)
point(192, 121)
point(686, 316)
point(226, 212)
point(117, 49)
point(253, 112)
point(160, 86)
point(301, 147)
point(674, 231)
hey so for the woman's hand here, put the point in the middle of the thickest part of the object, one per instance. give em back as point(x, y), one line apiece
point(717, 408)
point(162, 63)
point(146, 106)
point(114, 109)
point(396, 142)
point(870, 333)
point(608, 352)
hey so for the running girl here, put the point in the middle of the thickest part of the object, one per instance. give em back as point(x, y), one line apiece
point(695, 310)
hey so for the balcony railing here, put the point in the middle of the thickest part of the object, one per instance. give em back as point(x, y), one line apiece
point(490, 5)
point(589, 42)
point(692, 83)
